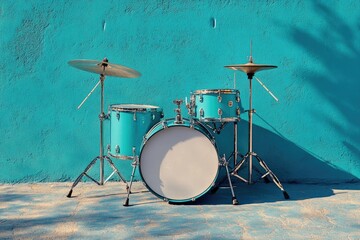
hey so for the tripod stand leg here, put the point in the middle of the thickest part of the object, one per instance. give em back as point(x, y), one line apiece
point(272, 176)
point(234, 200)
point(238, 166)
point(116, 170)
point(78, 179)
point(135, 163)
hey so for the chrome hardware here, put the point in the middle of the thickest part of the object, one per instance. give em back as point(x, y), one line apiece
point(191, 105)
point(220, 112)
point(178, 118)
point(238, 96)
point(201, 99)
point(201, 112)
point(164, 124)
point(153, 116)
point(133, 150)
point(118, 116)
point(117, 149)
point(219, 98)
point(102, 116)
point(238, 111)
point(192, 123)
point(134, 117)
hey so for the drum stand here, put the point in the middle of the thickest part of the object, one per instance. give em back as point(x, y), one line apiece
point(101, 157)
point(250, 154)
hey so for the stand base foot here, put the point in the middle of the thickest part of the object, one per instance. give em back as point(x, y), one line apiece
point(69, 194)
point(235, 201)
point(286, 195)
point(126, 203)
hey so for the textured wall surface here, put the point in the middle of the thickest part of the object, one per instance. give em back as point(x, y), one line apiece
point(310, 135)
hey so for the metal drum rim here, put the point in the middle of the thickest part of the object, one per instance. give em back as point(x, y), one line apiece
point(230, 119)
point(178, 125)
point(122, 157)
point(135, 108)
point(216, 91)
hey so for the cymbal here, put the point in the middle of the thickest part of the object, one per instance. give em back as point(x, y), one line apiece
point(250, 67)
point(104, 67)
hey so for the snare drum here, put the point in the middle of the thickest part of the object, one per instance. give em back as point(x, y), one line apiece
point(128, 125)
point(178, 162)
point(215, 105)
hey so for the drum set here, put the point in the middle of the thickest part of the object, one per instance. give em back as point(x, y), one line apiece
point(177, 158)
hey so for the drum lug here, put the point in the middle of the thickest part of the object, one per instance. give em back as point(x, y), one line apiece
point(201, 112)
point(238, 96)
point(117, 149)
point(201, 99)
point(220, 112)
point(219, 98)
point(238, 111)
point(192, 100)
point(178, 118)
point(134, 117)
point(191, 123)
point(118, 116)
point(190, 106)
point(193, 199)
point(164, 124)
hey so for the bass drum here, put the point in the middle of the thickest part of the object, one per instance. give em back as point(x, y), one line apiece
point(178, 162)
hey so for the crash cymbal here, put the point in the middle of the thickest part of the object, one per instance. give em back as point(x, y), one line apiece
point(250, 67)
point(105, 68)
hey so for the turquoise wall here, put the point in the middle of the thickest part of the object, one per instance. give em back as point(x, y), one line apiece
point(310, 135)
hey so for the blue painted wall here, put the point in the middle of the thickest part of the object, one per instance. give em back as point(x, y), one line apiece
point(310, 135)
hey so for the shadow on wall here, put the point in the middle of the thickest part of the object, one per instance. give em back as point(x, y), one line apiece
point(289, 162)
point(340, 55)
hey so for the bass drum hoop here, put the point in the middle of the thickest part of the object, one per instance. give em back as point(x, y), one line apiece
point(205, 133)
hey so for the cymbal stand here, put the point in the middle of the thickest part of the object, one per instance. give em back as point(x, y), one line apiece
point(101, 156)
point(250, 154)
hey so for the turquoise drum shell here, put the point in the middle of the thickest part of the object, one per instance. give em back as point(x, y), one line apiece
point(216, 105)
point(128, 125)
point(152, 172)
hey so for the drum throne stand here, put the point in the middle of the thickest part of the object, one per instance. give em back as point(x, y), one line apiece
point(103, 68)
point(250, 68)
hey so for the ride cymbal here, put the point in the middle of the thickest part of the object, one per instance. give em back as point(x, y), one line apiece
point(250, 67)
point(105, 68)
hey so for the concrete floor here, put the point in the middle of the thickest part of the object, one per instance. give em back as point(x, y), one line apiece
point(41, 211)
